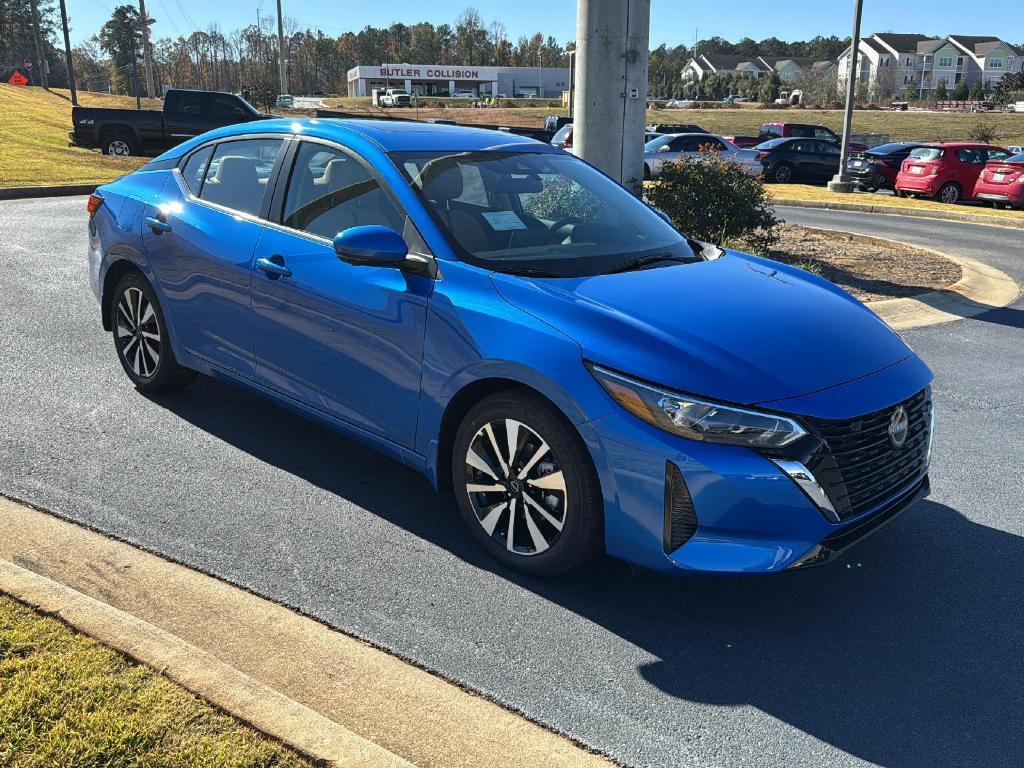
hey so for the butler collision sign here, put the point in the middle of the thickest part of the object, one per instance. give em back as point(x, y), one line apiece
point(438, 79)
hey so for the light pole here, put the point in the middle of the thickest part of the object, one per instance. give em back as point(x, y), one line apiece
point(572, 79)
point(841, 181)
point(612, 37)
point(67, 54)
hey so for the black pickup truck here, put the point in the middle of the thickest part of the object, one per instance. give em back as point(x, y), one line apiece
point(186, 113)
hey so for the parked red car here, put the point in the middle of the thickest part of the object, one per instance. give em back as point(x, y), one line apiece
point(947, 171)
point(1002, 182)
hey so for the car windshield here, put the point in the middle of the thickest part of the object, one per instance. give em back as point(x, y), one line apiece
point(545, 214)
point(927, 153)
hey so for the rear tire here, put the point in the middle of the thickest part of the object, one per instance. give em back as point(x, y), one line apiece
point(781, 173)
point(140, 337)
point(119, 144)
point(949, 193)
point(543, 491)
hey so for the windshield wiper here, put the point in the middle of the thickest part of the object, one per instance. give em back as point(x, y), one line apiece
point(644, 261)
point(528, 272)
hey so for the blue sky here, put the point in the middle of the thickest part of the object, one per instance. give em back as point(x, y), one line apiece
point(672, 21)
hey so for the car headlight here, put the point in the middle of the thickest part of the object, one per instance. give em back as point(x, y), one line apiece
point(698, 419)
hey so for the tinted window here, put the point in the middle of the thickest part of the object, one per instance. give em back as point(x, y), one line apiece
point(801, 146)
point(183, 101)
point(971, 155)
point(330, 191)
point(195, 168)
point(224, 105)
point(800, 130)
point(771, 130)
point(238, 174)
point(827, 147)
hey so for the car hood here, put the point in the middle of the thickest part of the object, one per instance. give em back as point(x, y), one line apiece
point(737, 328)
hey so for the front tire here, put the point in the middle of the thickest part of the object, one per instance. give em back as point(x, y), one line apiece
point(140, 337)
point(526, 486)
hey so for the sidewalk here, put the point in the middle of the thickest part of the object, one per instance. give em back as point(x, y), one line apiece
point(329, 695)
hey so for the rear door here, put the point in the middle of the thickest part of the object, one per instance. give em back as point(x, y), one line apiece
point(183, 116)
point(344, 339)
point(827, 159)
point(199, 240)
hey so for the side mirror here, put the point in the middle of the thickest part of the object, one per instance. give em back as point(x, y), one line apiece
point(371, 245)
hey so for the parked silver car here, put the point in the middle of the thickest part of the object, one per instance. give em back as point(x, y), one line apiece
point(665, 149)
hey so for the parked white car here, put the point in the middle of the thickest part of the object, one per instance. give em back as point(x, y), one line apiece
point(284, 101)
point(464, 95)
point(665, 149)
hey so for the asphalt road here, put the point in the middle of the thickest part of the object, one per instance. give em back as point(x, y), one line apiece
point(907, 653)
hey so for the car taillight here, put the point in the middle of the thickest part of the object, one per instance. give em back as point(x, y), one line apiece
point(95, 201)
point(934, 169)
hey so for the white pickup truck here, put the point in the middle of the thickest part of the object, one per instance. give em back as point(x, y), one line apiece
point(395, 97)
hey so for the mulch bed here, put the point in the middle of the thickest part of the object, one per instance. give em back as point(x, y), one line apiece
point(868, 269)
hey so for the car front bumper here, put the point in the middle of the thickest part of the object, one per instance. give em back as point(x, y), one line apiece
point(738, 512)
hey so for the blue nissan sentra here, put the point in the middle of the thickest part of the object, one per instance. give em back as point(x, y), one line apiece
point(507, 320)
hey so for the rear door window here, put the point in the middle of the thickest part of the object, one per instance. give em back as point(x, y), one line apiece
point(239, 172)
point(971, 156)
point(195, 168)
point(184, 102)
point(998, 154)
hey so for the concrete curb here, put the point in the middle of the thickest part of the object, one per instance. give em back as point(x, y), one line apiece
point(972, 218)
point(64, 190)
point(980, 289)
point(327, 694)
point(268, 711)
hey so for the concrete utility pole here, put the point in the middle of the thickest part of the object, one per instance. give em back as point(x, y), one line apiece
point(40, 51)
point(612, 38)
point(572, 80)
point(67, 54)
point(147, 50)
point(282, 68)
point(841, 181)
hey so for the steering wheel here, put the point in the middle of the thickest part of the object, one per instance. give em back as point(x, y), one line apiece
point(564, 222)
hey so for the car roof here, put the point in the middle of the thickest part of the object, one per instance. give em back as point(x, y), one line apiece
point(388, 135)
point(960, 144)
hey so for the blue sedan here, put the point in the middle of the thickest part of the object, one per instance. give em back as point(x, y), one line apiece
point(507, 320)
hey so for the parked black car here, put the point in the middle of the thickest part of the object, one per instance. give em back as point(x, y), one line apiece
point(878, 167)
point(186, 113)
point(786, 160)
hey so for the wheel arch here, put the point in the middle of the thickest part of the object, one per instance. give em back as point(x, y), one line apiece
point(115, 271)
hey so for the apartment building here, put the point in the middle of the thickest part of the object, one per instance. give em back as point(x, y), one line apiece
point(898, 65)
point(787, 67)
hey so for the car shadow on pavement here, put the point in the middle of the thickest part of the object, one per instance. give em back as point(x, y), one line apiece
point(906, 653)
point(1008, 316)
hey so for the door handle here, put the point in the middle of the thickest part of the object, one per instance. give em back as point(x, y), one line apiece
point(157, 225)
point(274, 266)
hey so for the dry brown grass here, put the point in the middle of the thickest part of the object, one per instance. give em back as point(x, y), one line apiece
point(34, 126)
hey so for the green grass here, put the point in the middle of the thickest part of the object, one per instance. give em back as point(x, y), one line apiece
point(805, 192)
point(901, 126)
point(65, 700)
point(34, 126)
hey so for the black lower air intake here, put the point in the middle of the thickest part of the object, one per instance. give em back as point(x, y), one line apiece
point(680, 519)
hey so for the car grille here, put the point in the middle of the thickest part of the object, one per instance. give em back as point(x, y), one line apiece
point(858, 466)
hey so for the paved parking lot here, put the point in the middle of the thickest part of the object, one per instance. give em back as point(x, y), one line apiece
point(906, 653)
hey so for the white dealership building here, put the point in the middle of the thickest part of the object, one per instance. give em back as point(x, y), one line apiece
point(446, 79)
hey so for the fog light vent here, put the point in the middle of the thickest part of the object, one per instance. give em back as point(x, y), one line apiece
point(680, 519)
